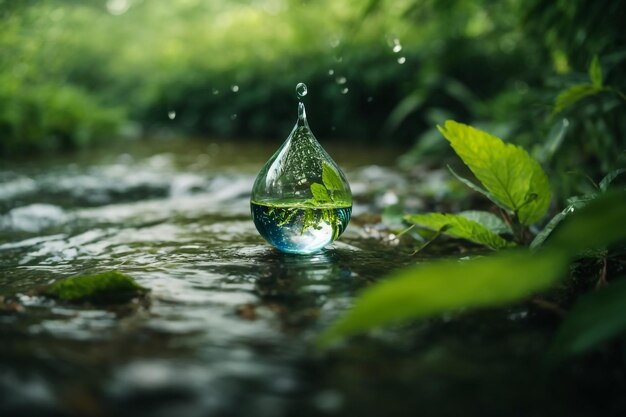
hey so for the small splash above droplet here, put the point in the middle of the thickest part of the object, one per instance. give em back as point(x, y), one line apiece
point(234, 88)
point(171, 114)
point(301, 90)
point(401, 60)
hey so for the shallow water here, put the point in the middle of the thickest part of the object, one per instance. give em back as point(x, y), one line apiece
point(230, 323)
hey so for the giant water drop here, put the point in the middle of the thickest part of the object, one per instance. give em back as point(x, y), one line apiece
point(301, 200)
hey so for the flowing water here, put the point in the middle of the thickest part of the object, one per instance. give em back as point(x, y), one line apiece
point(229, 326)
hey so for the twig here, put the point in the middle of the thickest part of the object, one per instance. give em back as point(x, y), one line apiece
point(549, 306)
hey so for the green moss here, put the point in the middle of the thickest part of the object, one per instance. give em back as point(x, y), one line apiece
point(112, 286)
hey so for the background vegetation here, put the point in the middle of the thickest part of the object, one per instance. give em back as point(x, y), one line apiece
point(73, 73)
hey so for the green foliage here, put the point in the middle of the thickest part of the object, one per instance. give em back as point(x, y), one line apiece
point(596, 318)
point(112, 286)
point(437, 287)
point(595, 72)
point(425, 290)
point(598, 224)
point(573, 95)
point(459, 226)
point(507, 171)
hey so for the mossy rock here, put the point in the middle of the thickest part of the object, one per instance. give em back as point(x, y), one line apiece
point(107, 287)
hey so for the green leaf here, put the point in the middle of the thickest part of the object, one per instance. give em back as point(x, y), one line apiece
point(489, 220)
point(573, 95)
point(107, 286)
point(596, 318)
point(599, 224)
point(460, 227)
point(320, 193)
point(425, 290)
point(506, 171)
point(332, 180)
point(595, 72)
point(476, 188)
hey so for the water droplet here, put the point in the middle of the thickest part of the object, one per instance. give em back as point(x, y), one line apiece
point(216, 91)
point(171, 114)
point(396, 48)
point(370, 99)
point(234, 88)
point(344, 90)
point(341, 80)
point(401, 60)
point(301, 90)
point(331, 71)
point(300, 200)
point(233, 116)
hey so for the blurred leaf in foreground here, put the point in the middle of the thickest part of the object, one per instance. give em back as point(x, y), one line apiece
point(596, 318)
point(438, 287)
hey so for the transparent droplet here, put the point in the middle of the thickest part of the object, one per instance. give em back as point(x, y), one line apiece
point(370, 99)
point(234, 88)
point(401, 60)
point(344, 90)
point(301, 90)
point(301, 200)
point(396, 48)
point(341, 80)
point(216, 91)
point(171, 114)
point(233, 116)
point(331, 71)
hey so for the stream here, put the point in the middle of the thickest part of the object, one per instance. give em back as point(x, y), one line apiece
point(230, 324)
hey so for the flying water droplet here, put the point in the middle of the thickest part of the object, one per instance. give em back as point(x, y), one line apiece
point(216, 91)
point(396, 48)
point(341, 80)
point(331, 71)
point(234, 88)
point(171, 114)
point(401, 60)
point(301, 91)
point(370, 99)
point(233, 116)
point(301, 200)
point(344, 90)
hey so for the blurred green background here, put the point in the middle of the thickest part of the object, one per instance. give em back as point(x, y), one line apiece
point(76, 73)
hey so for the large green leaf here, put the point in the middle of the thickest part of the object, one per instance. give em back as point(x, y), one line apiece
point(505, 170)
point(458, 226)
point(596, 318)
point(600, 223)
point(425, 290)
